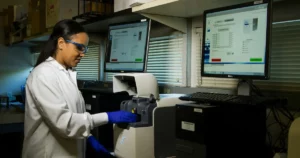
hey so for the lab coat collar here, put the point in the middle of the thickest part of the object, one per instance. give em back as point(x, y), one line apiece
point(58, 65)
point(55, 63)
point(72, 73)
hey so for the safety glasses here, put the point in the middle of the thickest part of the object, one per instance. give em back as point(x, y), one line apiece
point(79, 47)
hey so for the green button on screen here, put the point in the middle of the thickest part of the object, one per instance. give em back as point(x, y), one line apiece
point(138, 59)
point(255, 59)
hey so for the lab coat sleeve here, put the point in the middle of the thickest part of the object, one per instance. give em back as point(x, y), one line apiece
point(54, 110)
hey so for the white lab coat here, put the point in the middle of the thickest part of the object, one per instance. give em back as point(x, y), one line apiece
point(56, 123)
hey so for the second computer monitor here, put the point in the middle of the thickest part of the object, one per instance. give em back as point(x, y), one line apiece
point(236, 41)
point(128, 46)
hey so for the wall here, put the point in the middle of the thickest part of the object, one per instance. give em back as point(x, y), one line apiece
point(15, 65)
point(15, 62)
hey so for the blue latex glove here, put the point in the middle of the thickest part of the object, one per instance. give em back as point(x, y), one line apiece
point(121, 117)
point(98, 148)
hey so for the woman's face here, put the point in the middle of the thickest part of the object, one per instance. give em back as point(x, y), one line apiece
point(73, 50)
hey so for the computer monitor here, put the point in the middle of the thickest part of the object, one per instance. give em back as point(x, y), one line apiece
point(128, 46)
point(236, 41)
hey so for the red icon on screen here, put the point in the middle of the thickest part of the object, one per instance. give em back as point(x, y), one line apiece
point(216, 60)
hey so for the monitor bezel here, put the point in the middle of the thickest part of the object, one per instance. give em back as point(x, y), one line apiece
point(146, 46)
point(268, 41)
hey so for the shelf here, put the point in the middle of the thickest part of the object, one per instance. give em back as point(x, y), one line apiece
point(33, 40)
point(100, 24)
point(183, 8)
point(38, 38)
point(92, 24)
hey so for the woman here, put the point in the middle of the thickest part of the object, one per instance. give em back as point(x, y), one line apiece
point(56, 124)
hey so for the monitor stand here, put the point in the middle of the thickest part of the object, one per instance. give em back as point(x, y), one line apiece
point(244, 87)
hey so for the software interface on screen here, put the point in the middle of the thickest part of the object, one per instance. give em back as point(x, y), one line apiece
point(235, 41)
point(127, 47)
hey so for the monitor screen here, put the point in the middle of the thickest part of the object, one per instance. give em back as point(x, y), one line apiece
point(236, 41)
point(127, 47)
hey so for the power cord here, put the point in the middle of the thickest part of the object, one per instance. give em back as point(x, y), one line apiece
point(280, 143)
point(279, 111)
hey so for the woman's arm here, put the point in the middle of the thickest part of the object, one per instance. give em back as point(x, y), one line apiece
point(54, 110)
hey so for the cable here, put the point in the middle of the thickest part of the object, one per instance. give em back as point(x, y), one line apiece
point(283, 127)
point(288, 114)
point(255, 89)
point(268, 115)
point(291, 116)
point(296, 112)
point(281, 111)
point(280, 143)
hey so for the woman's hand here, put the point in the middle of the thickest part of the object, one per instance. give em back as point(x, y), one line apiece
point(99, 148)
point(121, 117)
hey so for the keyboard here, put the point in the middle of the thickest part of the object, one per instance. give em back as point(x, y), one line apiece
point(215, 98)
